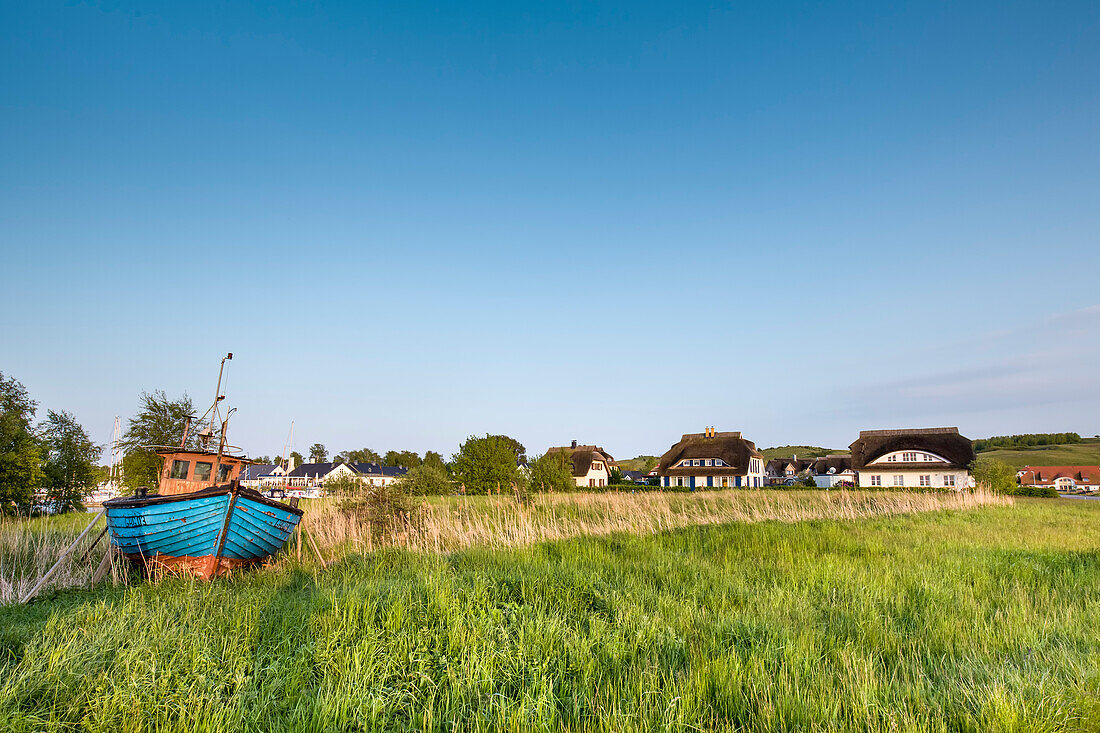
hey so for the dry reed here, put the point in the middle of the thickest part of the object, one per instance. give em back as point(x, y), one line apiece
point(443, 525)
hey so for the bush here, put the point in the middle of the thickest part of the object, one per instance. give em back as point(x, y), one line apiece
point(426, 480)
point(551, 472)
point(1045, 492)
point(995, 475)
point(385, 509)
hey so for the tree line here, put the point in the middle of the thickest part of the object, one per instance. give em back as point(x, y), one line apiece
point(50, 464)
point(1024, 440)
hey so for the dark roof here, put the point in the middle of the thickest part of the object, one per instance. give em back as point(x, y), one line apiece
point(840, 464)
point(256, 471)
point(312, 469)
point(778, 466)
point(581, 457)
point(633, 475)
point(730, 447)
point(945, 442)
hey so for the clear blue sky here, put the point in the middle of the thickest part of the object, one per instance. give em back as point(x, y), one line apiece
point(614, 222)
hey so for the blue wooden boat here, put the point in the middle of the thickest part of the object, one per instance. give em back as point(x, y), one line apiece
point(205, 532)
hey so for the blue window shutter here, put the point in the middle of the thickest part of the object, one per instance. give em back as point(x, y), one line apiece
point(692, 482)
point(737, 481)
point(710, 481)
point(666, 480)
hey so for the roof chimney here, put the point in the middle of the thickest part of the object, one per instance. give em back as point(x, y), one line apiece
point(574, 444)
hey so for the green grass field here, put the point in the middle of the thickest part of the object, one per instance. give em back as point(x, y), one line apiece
point(978, 620)
point(1085, 453)
point(802, 451)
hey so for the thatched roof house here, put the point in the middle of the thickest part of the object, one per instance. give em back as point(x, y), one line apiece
point(590, 464)
point(913, 458)
point(705, 459)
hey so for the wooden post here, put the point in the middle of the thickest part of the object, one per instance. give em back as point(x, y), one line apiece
point(320, 557)
point(104, 565)
point(51, 571)
point(212, 566)
point(94, 543)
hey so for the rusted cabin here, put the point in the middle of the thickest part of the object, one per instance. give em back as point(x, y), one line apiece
point(185, 471)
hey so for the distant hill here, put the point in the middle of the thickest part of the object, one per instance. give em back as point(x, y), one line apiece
point(635, 464)
point(802, 451)
point(1085, 453)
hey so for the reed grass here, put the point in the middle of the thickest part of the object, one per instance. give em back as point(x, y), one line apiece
point(975, 618)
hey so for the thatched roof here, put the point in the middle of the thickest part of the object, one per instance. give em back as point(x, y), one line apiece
point(839, 464)
point(581, 457)
point(730, 447)
point(778, 466)
point(945, 442)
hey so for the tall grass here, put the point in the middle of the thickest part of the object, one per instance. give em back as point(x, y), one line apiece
point(975, 620)
point(446, 524)
point(441, 524)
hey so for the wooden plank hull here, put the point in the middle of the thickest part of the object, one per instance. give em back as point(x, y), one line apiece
point(184, 531)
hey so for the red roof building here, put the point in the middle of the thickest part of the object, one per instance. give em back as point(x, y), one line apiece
point(1062, 478)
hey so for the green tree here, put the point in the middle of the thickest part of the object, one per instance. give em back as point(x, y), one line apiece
point(426, 480)
point(159, 422)
point(71, 457)
point(406, 458)
point(615, 477)
point(995, 475)
point(363, 455)
point(649, 464)
point(486, 464)
point(20, 453)
point(551, 472)
point(297, 458)
point(431, 458)
point(318, 453)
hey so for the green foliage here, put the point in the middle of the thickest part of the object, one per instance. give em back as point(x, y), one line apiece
point(488, 464)
point(948, 621)
point(995, 475)
point(363, 455)
point(615, 477)
point(318, 453)
point(384, 509)
point(71, 457)
point(297, 458)
point(20, 453)
point(802, 451)
point(1044, 492)
point(431, 458)
point(427, 479)
point(1025, 440)
point(406, 458)
point(551, 472)
point(159, 422)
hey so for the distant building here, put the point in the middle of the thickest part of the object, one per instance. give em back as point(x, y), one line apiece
point(590, 464)
point(252, 476)
point(779, 471)
point(1065, 479)
point(313, 476)
point(834, 470)
point(712, 460)
point(935, 458)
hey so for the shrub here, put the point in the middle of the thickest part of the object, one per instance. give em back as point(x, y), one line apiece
point(1045, 492)
point(426, 480)
point(994, 475)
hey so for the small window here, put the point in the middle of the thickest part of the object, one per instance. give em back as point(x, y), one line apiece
point(223, 472)
point(949, 479)
point(899, 480)
point(179, 469)
point(925, 480)
point(710, 462)
point(892, 458)
point(202, 470)
point(679, 480)
point(597, 465)
point(876, 481)
point(725, 482)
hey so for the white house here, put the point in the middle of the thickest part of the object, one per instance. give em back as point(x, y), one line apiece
point(590, 464)
point(834, 470)
point(1065, 479)
point(922, 458)
point(712, 460)
point(311, 477)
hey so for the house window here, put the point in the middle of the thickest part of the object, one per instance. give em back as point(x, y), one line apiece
point(597, 465)
point(725, 482)
point(202, 470)
point(949, 479)
point(892, 458)
point(899, 480)
point(710, 462)
point(876, 481)
point(179, 469)
point(925, 480)
point(601, 482)
point(592, 483)
point(679, 480)
point(223, 472)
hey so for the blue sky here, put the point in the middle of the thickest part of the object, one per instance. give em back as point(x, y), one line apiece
point(609, 222)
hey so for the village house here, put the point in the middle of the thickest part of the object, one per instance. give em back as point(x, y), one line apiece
point(313, 476)
point(834, 470)
point(928, 458)
point(590, 464)
point(712, 460)
point(779, 471)
point(1064, 479)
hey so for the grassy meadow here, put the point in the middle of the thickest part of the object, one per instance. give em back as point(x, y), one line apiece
point(1085, 453)
point(979, 617)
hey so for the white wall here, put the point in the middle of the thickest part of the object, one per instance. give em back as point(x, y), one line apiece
point(911, 478)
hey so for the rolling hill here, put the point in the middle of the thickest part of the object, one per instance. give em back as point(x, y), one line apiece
point(1085, 453)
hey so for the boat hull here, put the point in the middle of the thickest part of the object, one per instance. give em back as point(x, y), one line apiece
point(206, 533)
